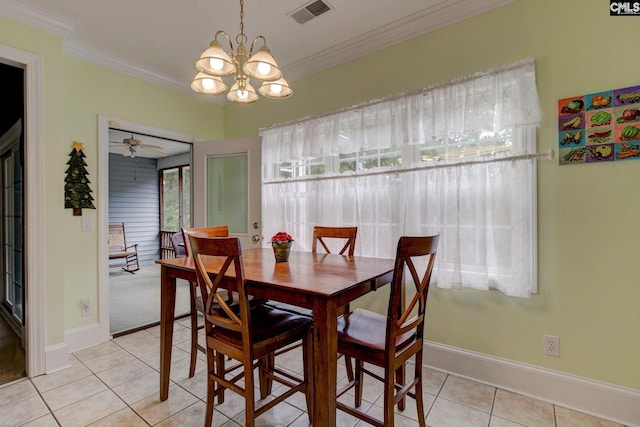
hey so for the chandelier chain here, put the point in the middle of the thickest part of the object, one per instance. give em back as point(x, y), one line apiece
point(241, 38)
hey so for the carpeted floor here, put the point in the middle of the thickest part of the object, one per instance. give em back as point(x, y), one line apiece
point(134, 299)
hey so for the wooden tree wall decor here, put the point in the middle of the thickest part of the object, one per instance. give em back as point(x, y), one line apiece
point(77, 193)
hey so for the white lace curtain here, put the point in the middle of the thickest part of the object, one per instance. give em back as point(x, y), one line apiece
point(483, 207)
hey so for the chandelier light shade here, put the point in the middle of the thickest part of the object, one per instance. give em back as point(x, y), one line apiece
point(216, 62)
point(208, 84)
point(245, 95)
point(276, 89)
point(262, 65)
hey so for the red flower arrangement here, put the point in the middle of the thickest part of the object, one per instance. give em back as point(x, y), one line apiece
point(281, 237)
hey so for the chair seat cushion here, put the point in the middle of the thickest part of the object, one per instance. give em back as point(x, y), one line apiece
point(365, 328)
point(267, 323)
point(290, 308)
point(235, 305)
point(120, 254)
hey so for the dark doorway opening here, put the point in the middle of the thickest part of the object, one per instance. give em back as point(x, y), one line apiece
point(12, 291)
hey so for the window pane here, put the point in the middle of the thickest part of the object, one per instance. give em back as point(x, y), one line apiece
point(186, 196)
point(476, 144)
point(370, 159)
point(170, 200)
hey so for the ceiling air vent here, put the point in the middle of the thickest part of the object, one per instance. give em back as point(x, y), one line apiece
point(310, 11)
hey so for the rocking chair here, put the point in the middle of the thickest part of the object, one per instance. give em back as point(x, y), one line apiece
point(119, 250)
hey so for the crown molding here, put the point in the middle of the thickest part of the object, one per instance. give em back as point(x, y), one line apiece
point(55, 24)
point(124, 65)
point(410, 27)
point(36, 17)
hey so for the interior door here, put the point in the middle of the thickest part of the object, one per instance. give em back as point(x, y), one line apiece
point(227, 187)
point(11, 263)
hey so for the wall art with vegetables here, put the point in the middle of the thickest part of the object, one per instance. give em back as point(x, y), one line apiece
point(599, 127)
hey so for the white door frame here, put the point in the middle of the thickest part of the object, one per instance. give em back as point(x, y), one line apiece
point(104, 123)
point(34, 206)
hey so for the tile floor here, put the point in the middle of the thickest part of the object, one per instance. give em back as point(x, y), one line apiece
point(117, 384)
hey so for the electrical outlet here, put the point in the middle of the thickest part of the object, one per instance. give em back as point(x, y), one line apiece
point(551, 345)
point(87, 307)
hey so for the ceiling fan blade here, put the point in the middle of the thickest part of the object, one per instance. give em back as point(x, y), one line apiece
point(150, 146)
point(153, 150)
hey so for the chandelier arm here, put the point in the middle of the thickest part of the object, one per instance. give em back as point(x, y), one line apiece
point(226, 36)
point(264, 43)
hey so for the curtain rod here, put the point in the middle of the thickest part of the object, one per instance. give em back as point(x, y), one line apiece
point(474, 76)
point(549, 154)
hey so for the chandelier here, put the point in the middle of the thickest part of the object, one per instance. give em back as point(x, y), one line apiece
point(215, 63)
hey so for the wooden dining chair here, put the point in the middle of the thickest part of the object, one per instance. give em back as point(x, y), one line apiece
point(324, 237)
point(360, 337)
point(345, 238)
point(195, 300)
point(345, 235)
point(245, 333)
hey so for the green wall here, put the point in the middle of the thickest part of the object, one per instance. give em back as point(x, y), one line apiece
point(76, 92)
point(91, 90)
point(49, 47)
point(588, 230)
point(588, 215)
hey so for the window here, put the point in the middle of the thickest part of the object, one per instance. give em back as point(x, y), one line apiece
point(227, 192)
point(175, 198)
point(455, 159)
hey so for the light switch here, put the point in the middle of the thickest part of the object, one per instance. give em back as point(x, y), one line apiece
point(87, 225)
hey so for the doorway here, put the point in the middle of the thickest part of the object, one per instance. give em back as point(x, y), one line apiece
point(12, 291)
point(138, 158)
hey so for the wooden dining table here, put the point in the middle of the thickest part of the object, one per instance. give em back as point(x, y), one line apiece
point(319, 282)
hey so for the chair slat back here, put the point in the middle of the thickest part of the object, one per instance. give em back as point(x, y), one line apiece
point(117, 240)
point(217, 309)
point(415, 255)
point(213, 231)
point(322, 233)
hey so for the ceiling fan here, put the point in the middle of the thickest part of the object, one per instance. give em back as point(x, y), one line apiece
point(132, 145)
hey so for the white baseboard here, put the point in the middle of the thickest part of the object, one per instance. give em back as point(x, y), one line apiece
point(56, 358)
point(82, 337)
point(608, 401)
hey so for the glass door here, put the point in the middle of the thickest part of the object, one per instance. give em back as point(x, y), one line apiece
point(175, 205)
point(227, 192)
point(227, 187)
point(12, 260)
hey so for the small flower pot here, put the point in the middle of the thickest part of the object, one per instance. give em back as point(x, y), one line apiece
point(281, 250)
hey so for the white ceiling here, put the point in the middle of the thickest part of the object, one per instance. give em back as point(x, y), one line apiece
point(159, 40)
